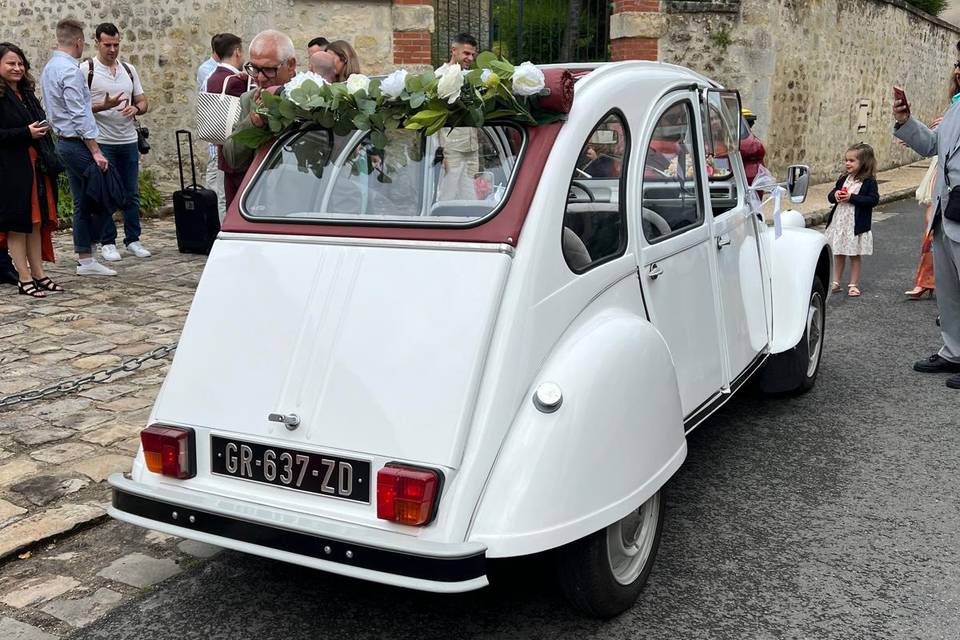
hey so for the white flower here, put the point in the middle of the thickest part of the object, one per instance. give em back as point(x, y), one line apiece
point(489, 78)
point(357, 82)
point(527, 80)
point(393, 85)
point(297, 81)
point(451, 81)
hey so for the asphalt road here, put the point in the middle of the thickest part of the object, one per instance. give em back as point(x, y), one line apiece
point(831, 515)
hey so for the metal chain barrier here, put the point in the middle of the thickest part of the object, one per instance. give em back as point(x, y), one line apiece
point(97, 377)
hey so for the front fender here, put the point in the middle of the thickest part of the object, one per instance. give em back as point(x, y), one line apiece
point(796, 258)
point(615, 440)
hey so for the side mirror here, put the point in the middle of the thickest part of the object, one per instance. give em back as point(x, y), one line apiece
point(798, 181)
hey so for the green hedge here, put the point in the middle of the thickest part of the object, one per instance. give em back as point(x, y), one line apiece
point(150, 196)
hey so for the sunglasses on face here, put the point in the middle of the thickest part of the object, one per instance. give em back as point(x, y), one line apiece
point(253, 70)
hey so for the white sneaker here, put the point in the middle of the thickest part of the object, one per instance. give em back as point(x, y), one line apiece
point(110, 253)
point(95, 269)
point(138, 250)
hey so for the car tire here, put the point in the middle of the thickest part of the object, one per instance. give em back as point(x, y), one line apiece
point(602, 574)
point(795, 371)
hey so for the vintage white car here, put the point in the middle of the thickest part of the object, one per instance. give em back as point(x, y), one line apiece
point(486, 343)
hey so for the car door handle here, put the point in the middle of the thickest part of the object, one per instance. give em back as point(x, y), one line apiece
point(722, 241)
point(654, 271)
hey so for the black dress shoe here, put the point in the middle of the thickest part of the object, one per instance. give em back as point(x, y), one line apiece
point(954, 382)
point(9, 277)
point(936, 364)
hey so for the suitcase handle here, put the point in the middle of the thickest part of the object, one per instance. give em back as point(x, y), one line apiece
point(193, 167)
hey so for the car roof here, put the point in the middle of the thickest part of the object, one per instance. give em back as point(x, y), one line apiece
point(584, 71)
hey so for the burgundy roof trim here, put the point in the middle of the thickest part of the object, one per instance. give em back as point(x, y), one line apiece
point(504, 227)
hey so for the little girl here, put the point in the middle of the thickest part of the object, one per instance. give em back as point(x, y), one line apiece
point(848, 227)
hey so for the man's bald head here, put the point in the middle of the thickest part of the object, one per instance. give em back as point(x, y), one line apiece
point(323, 63)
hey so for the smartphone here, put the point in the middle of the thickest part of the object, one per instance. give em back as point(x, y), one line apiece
point(901, 96)
point(43, 123)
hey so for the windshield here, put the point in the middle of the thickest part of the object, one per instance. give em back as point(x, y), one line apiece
point(457, 176)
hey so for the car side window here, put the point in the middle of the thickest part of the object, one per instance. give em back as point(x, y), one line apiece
point(594, 220)
point(671, 190)
point(720, 166)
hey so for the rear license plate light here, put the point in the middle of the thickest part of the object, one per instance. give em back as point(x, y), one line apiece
point(407, 494)
point(170, 451)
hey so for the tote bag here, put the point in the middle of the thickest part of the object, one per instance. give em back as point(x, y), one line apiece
point(217, 113)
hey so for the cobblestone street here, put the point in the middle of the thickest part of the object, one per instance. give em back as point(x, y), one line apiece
point(56, 452)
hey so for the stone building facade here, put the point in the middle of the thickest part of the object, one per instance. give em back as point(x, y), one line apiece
point(818, 73)
point(167, 39)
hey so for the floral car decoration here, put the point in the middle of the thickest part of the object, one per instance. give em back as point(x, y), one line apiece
point(445, 97)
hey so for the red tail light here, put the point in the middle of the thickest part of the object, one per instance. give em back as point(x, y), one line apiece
point(170, 451)
point(407, 495)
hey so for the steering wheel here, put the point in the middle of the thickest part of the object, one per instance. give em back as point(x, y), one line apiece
point(579, 185)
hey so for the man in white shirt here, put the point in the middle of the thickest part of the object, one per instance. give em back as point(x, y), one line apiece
point(117, 98)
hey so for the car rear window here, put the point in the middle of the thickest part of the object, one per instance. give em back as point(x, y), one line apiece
point(457, 176)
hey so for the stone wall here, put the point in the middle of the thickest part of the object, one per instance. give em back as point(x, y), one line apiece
point(167, 39)
point(818, 73)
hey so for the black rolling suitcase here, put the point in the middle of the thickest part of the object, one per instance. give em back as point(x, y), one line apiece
point(194, 208)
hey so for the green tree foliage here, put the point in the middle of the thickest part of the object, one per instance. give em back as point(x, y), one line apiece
point(538, 30)
point(933, 7)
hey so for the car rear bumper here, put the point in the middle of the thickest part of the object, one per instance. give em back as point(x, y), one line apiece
point(298, 539)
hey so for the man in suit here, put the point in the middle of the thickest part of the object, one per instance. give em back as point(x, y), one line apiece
point(943, 142)
point(272, 63)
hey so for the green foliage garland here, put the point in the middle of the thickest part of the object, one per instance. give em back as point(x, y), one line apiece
point(427, 102)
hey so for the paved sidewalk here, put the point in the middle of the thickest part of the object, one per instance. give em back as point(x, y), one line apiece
point(55, 453)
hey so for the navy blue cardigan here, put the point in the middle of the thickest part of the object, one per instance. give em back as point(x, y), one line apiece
point(863, 204)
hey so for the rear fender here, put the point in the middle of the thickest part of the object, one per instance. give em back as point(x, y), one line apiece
point(615, 440)
point(796, 258)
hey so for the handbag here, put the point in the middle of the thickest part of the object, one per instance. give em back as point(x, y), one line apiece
point(217, 114)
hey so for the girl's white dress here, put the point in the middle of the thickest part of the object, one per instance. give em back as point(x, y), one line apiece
point(840, 232)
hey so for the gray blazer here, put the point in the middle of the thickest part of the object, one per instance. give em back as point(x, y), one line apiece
point(944, 141)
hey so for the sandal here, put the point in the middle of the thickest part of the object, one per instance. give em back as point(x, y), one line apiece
point(46, 284)
point(30, 289)
point(835, 288)
point(853, 291)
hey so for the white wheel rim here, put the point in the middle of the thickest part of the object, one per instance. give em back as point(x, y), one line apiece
point(630, 541)
point(814, 333)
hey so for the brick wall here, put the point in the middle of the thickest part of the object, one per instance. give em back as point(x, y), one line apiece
point(635, 29)
point(413, 26)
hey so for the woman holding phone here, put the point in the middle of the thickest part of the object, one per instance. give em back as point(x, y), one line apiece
point(29, 165)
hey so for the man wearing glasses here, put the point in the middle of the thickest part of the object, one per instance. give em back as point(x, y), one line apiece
point(272, 63)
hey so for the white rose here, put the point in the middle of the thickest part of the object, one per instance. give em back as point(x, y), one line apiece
point(527, 80)
point(394, 84)
point(297, 81)
point(357, 82)
point(451, 81)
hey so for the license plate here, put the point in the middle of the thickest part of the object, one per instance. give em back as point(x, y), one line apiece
point(318, 473)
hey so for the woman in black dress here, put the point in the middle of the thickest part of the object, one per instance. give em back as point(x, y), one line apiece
point(28, 163)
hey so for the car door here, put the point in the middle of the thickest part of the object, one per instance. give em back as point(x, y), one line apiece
point(676, 257)
point(736, 233)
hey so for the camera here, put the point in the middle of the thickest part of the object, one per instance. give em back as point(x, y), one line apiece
point(142, 145)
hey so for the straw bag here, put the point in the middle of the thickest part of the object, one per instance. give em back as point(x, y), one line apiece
point(217, 113)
